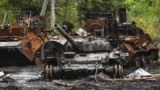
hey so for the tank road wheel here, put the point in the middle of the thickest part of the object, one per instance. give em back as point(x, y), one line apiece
point(149, 60)
point(140, 62)
point(137, 62)
point(48, 72)
point(51, 72)
point(115, 73)
point(118, 71)
point(143, 62)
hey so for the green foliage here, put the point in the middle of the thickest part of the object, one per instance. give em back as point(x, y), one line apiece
point(19, 5)
point(146, 13)
point(86, 6)
point(66, 10)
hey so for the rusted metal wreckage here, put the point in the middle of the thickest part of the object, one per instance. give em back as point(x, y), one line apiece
point(130, 38)
point(21, 35)
point(111, 44)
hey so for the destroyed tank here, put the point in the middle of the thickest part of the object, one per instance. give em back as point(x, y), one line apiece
point(72, 57)
point(125, 35)
point(21, 35)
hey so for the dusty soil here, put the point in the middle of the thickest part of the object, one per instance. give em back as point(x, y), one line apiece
point(29, 78)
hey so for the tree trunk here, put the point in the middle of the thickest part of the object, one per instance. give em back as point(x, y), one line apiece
point(52, 13)
point(44, 7)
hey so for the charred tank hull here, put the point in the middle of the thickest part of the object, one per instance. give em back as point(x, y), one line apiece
point(73, 56)
point(81, 66)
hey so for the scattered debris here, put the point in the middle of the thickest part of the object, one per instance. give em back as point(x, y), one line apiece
point(7, 79)
point(29, 81)
point(2, 74)
point(139, 74)
point(63, 83)
point(21, 77)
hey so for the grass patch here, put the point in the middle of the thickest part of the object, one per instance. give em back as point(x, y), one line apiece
point(157, 70)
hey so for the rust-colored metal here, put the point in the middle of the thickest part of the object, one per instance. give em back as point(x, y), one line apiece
point(21, 39)
point(131, 38)
point(93, 24)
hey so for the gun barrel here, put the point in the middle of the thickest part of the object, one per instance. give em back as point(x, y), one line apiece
point(60, 29)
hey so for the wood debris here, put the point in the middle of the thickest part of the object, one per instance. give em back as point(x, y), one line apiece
point(63, 83)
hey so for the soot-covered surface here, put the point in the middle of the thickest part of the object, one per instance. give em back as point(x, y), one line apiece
point(30, 78)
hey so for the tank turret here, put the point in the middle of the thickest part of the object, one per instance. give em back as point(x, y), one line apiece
point(88, 44)
point(67, 36)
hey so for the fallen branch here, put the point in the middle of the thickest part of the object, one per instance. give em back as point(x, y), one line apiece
point(117, 79)
point(151, 78)
point(60, 82)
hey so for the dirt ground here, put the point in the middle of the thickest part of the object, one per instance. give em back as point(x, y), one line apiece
point(29, 78)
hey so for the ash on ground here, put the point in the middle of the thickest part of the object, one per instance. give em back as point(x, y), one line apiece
point(31, 78)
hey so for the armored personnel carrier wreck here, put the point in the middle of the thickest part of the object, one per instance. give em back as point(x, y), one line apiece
point(21, 35)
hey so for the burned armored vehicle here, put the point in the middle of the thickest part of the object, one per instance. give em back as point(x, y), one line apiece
point(73, 56)
point(125, 35)
point(21, 35)
point(111, 44)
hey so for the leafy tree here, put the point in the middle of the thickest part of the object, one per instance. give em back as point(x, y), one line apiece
point(146, 13)
point(66, 10)
point(86, 6)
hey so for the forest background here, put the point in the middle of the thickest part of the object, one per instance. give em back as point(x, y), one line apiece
point(146, 13)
